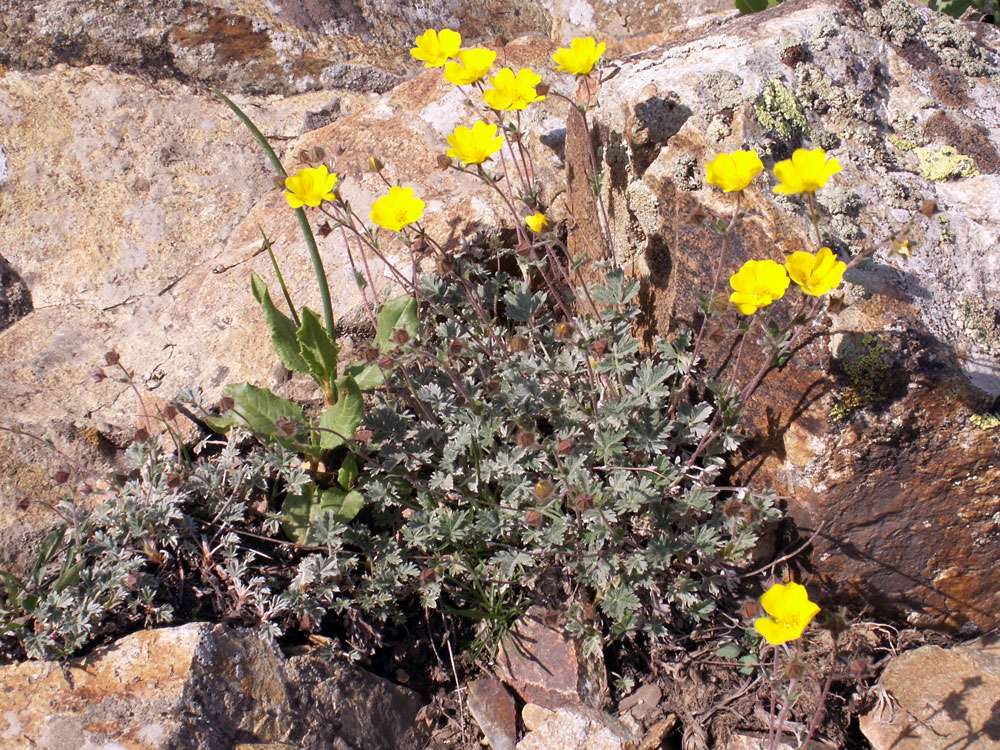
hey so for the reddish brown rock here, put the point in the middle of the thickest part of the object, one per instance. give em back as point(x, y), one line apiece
point(874, 431)
point(493, 708)
point(547, 667)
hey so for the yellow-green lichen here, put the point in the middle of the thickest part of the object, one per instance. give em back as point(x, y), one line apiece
point(986, 420)
point(777, 109)
point(946, 164)
point(902, 143)
point(865, 367)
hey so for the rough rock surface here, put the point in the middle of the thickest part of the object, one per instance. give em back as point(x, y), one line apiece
point(291, 46)
point(202, 687)
point(938, 698)
point(904, 482)
point(492, 706)
point(580, 728)
point(549, 668)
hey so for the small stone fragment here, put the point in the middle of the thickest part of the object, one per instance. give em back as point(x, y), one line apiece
point(493, 708)
point(534, 716)
point(653, 739)
point(642, 702)
point(580, 728)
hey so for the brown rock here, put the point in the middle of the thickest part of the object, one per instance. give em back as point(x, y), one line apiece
point(547, 667)
point(493, 708)
point(904, 484)
point(658, 733)
point(938, 698)
point(202, 687)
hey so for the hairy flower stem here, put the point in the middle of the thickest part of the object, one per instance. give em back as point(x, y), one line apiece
point(711, 299)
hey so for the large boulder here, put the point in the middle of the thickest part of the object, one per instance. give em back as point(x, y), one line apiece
point(875, 431)
point(203, 687)
point(291, 46)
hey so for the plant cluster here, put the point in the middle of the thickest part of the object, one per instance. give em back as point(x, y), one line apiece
point(985, 9)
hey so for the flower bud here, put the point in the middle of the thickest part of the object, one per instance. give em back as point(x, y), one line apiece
point(319, 153)
point(170, 412)
point(112, 358)
point(226, 403)
point(443, 161)
point(519, 344)
point(61, 477)
point(141, 435)
point(400, 336)
point(98, 375)
point(375, 164)
point(533, 518)
point(526, 438)
point(928, 208)
point(543, 489)
point(565, 446)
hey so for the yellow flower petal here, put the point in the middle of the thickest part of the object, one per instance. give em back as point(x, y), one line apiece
point(537, 222)
point(757, 284)
point(475, 145)
point(816, 274)
point(310, 186)
point(581, 56)
point(790, 612)
point(396, 210)
point(473, 65)
point(513, 92)
point(805, 172)
point(435, 48)
point(733, 172)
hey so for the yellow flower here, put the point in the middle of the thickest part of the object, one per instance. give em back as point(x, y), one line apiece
point(757, 284)
point(512, 92)
point(816, 274)
point(434, 47)
point(474, 64)
point(537, 222)
point(310, 187)
point(734, 171)
point(397, 209)
point(790, 611)
point(476, 145)
point(580, 58)
point(805, 172)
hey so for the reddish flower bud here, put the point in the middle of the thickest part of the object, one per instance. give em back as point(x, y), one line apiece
point(112, 358)
point(98, 375)
point(226, 403)
point(61, 477)
point(141, 435)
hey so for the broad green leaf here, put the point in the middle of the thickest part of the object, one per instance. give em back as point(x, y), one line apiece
point(728, 651)
point(318, 349)
point(260, 409)
point(400, 312)
point(283, 334)
point(348, 473)
point(755, 6)
point(300, 512)
point(339, 422)
point(366, 375)
point(70, 577)
point(45, 554)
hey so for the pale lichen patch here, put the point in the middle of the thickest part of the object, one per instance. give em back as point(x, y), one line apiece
point(946, 164)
